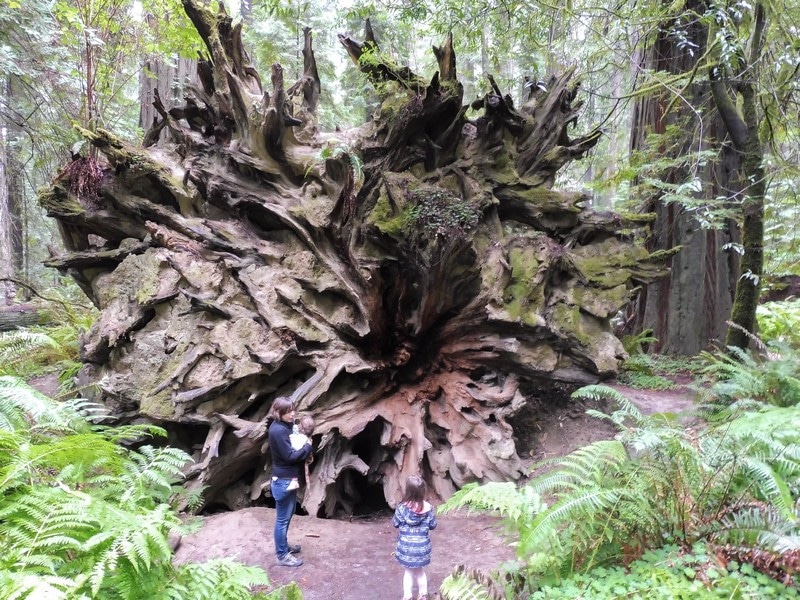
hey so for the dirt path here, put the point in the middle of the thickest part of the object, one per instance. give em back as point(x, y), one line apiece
point(345, 560)
point(352, 560)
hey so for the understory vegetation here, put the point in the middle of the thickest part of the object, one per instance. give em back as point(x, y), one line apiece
point(87, 509)
point(692, 506)
point(39, 350)
point(698, 506)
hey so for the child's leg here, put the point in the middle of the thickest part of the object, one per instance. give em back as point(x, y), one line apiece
point(422, 582)
point(407, 582)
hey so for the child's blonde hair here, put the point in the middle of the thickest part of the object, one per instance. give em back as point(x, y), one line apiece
point(416, 490)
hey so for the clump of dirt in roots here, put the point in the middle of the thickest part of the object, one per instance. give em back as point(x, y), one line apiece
point(553, 424)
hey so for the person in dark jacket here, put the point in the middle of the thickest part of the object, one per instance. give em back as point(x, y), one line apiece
point(287, 464)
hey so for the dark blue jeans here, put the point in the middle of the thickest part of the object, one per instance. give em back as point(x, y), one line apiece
point(285, 501)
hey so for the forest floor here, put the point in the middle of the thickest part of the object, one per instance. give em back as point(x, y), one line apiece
point(352, 559)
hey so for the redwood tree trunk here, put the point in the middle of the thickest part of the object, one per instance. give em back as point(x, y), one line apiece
point(743, 128)
point(409, 282)
point(165, 83)
point(11, 250)
point(688, 309)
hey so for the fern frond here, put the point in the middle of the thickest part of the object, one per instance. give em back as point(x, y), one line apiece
point(220, 579)
point(136, 432)
point(498, 498)
point(72, 457)
point(584, 465)
point(21, 585)
point(626, 414)
point(127, 543)
point(769, 484)
point(20, 344)
point(583, 506)
point(21, 406)
point(759, 526)
point(461, 587)
point(40, 525)
point(150, 474)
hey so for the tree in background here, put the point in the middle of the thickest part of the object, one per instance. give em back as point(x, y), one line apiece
point(10, 218)
point(687, 177)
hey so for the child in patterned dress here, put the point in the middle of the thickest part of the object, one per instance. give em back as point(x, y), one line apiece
point(414, 517)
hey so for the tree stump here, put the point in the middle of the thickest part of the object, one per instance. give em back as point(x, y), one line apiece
point(408, 281)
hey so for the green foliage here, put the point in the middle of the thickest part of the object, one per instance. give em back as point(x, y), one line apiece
point(460, 587)
point(656, 372)
point(26, 352)
point(669, 573)
point(83, 517)
point(500, 498)
point(638, 372)
point(336, 150)
point(48, 348)
point(223, 579)
point(780, 322)
point(441, 214)
point(741, 376)
point(634, 344)
point(733, 484)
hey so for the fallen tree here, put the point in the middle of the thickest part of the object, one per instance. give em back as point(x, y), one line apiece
point(409, 281)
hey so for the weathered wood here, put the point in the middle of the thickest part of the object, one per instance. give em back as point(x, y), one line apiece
point(409, 282)
point(17, 316)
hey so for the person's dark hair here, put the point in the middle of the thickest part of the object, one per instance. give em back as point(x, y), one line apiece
point(415, 493)
point(280, 406)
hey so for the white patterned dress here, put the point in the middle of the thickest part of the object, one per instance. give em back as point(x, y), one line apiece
point(413, 542)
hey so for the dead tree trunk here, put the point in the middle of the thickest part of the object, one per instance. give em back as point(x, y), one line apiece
point(409, 281)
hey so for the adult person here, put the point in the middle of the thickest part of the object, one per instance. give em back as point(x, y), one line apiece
point(287, 464)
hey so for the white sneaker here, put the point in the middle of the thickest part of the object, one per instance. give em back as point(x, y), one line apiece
point(290, 560)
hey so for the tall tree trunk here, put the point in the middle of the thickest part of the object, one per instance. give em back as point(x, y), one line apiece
point(410, 282)
point(743, 129)
point(162, 81)
point(687, 310)
point(7, 289)
point(11, 249)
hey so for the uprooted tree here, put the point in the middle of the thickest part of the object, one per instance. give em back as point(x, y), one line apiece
point(410, 282)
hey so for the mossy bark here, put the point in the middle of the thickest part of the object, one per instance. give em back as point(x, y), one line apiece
point(743, 129)
point(687, 310)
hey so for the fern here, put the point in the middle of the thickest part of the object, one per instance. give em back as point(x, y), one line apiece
point(461, 587)
point(739, 375)
point(503, 499)
point(27, 586)
point(151, 473)
point(585, 465)
point(659, 479)
point(626, 410)
point(758, 525)
point(82, 517)
point(17, 345)
point(21, 406)
point(780, 322)
point(218, 579)
point(634, 344)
